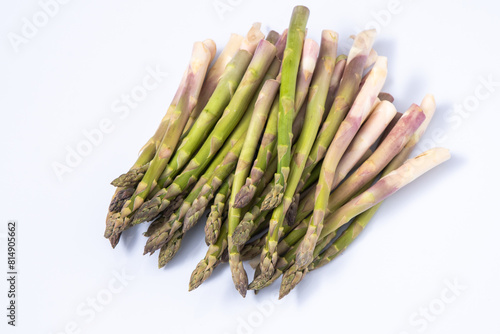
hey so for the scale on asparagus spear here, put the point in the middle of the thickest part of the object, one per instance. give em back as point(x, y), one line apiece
point(280, 143)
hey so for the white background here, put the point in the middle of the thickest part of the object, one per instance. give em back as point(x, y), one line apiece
point(65, 79)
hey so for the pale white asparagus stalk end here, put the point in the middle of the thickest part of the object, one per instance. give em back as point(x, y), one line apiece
point(362, 45)
point(372, 58)
point(306, 70)
point(254, 36)
point(368, 134)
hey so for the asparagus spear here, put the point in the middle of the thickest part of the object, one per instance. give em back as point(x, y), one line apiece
point(373, 128)
point(267, 149)
point(120, 197)
point(245, 228)
point(281, 45)
point(291, 60)
point(169, 249)
point(314, 114)
point(347, 131)
point(372, 59)
point(214, 75)
point(232, 116)
point(197, 69)
point(262, 107)
point(214, 220)
point(338, 72)
point(136, 173)
point(206, 266)
point(346, 93)
point(264, 155)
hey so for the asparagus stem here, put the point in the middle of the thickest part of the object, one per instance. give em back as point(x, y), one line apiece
point(253, 38)
point(311, 179)
point(273, 37)
point(367, 136)
point(338, 72)
point(314, 114)
point(291, 60)
point(281, 45)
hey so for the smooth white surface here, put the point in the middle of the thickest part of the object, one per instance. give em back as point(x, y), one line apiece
point(66, 79)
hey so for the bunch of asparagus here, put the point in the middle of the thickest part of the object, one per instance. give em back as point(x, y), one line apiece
point(283, 142)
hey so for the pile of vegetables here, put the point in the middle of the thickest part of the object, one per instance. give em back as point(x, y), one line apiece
point(290, 147)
